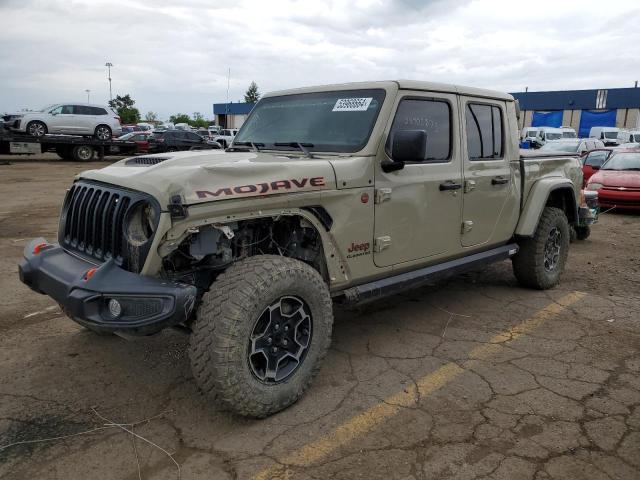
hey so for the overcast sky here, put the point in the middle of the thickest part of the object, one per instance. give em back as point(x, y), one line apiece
point(173, 56)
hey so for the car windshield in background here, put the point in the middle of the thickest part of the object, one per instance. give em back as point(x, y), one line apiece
point(636, 138)
point(623, 161)
point(554, 136)
point(568, 135)
point(532, 133)
point(610, 134)
point(561, 146)
point(339, 121)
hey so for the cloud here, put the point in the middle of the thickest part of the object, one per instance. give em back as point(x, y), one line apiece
point(174, 56)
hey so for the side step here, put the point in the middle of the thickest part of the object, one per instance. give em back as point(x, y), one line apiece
point(405, 281)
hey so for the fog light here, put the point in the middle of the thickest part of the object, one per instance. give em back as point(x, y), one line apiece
point(115, 309)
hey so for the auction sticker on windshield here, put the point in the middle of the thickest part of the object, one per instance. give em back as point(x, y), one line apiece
point(352, 104)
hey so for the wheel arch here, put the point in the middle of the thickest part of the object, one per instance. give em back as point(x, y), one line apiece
point(547, 192)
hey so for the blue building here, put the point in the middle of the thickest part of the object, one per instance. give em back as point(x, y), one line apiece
point(581, 109)
point(231, 115)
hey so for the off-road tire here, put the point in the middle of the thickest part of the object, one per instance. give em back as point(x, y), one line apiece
point(582, 233)
point(219, 346)
point(529, 262)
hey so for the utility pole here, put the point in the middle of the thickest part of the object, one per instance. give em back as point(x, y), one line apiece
point(109, 65)
point(88, 91)
point(226, 108)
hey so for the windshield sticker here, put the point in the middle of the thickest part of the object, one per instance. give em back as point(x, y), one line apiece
point(352, 104)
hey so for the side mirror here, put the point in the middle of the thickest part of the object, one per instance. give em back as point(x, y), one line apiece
point(409, 145)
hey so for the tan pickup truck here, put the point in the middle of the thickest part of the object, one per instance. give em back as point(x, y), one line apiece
point(340, 193)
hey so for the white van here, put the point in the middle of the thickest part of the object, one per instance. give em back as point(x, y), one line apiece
point(568, 132)
point(609, 135)
point(547, 134)
point(528, 133)
point(629, 136)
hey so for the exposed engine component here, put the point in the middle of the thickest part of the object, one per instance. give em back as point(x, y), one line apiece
point(209, 250)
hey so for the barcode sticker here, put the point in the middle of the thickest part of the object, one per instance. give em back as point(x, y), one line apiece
point(352, 104)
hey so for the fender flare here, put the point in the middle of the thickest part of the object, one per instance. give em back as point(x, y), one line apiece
point(537, 201)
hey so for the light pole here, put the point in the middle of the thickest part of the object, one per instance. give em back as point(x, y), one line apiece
point(88, 91)
point(109, 65)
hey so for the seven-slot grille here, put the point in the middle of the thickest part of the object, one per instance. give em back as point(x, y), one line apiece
point(93, 220)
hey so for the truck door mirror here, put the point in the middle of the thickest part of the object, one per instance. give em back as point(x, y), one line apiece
point(409, 146)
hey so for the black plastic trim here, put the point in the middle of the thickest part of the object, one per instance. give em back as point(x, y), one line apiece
point(415, 278)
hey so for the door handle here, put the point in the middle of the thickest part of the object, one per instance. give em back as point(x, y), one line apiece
point(499, 181)
point(450, 186)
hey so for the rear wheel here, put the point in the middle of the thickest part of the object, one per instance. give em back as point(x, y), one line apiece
point(541, 258)
point(36, 129)
point(102, 132)
point(82, 153)
point(261, 334)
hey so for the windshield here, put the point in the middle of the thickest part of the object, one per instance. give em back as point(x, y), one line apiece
point(46, 108)
point(623, 161)
point(636, 137)
point(610, 134)
point(532, 133)
point(561, 146)
point(554, 136)
point(338, 121)
point(567, 134)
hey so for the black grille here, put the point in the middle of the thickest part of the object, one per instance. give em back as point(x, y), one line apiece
point(93, 224)
point(147, 161)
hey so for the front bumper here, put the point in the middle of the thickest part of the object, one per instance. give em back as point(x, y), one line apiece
point(148, 304)
point(622, 199)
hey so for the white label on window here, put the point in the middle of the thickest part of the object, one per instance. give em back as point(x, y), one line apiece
point(352, 104)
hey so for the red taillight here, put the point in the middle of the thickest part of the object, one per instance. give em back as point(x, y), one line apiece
point(90, 273)
point(39, 247)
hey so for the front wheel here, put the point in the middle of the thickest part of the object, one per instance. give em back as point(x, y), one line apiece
point(36, 129)
point(261, 334)
point(541, 259)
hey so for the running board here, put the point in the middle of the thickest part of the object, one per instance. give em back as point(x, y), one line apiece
point(405, 281)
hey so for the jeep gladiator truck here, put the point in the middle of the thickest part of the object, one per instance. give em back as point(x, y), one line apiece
point(339, 193)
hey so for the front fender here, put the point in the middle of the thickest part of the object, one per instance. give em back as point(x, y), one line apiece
point(537, 200)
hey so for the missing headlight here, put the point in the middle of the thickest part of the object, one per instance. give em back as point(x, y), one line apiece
point(141, 224)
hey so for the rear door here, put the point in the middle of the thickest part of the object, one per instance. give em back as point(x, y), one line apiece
point(488, 181)
point(85, 118)
point(417, 208)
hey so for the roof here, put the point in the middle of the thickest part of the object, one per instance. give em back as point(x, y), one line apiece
point(399, 84)
point(231, 108)
point(579, 99)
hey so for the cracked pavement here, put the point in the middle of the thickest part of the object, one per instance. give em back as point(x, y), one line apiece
point(443, 382)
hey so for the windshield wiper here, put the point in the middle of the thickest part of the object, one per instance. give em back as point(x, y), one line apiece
point(255, 145)
point(304, 147)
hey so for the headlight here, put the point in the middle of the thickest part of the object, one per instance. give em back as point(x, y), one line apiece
point(594, 186)
point(141, 224)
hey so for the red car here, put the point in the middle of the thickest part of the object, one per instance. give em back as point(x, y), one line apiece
point(141, 139)
point(592, 161)
point(618, 180)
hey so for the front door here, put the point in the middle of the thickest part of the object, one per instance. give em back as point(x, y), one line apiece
point(488, 179)
point(417, 208)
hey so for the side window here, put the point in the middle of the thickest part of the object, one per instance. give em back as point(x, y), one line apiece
point(485, 131)
point(82, 110)
point(97, 111)
point(432, 116)
point(67, 109)
point(58, 109)
point(595, 159)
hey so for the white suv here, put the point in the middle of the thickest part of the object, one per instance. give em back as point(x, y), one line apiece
point(71, 119)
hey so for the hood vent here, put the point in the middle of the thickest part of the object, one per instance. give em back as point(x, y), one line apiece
point(146, 161)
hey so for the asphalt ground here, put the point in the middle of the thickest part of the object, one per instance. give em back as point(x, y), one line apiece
point(470, 378)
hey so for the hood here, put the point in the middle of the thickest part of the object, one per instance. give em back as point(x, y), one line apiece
point(211, 175)
point(617, 178)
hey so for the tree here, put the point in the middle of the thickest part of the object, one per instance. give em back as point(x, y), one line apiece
point(252, 95)
point(151, 117)
point(180, 118)
point(124, 105)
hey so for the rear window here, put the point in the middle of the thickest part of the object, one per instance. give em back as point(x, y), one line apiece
point(484, 131)
point(98, 111)
point(610, 134)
